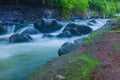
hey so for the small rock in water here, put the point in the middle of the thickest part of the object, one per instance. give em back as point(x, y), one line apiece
point(59, 77)
point(20, 38)
point(47, 36)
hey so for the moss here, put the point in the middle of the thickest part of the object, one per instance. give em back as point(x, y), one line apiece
point(81, 68)
point(117, 47)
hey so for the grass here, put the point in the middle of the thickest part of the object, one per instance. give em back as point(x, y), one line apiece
point(89, 39)
point(81, 68)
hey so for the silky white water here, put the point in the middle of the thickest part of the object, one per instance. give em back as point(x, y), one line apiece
point(19, 60)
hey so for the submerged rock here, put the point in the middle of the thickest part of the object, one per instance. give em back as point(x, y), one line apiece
point(48, 26)
point(20, 38)
point(67, 48)
point(47, 36)
point(30, 31)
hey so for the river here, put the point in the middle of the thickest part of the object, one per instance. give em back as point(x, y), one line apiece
point(19, 60)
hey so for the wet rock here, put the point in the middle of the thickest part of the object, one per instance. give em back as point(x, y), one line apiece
point(93, 21)
point(77, 30)
point(59, 77)
point(90, 24)
point(20, 38)
point(2, 30)
point(48, 26)
point(47, 36)
point(64, 34)
point(67, 48)
point(30, 31)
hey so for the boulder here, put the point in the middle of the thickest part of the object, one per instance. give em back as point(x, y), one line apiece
point(20, 38)
point(77, 30)
point(2, 30)
point(67, 48)
point(48, 26)
point(30, 31)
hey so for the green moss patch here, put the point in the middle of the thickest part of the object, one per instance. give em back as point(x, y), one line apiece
point(117, 47)
point(80, 68)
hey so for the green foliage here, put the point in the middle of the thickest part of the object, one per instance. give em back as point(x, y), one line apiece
point(81, 68)
point(104, 7)
point(74, 6)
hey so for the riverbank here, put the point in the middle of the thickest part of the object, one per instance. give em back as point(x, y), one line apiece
point(97, 59)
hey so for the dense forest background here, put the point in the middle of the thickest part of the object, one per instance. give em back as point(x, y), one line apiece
point(104, 7)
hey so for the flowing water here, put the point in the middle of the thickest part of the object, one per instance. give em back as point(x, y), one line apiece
point(19, 60)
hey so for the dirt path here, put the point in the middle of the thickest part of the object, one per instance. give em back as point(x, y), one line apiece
point(108, 53)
